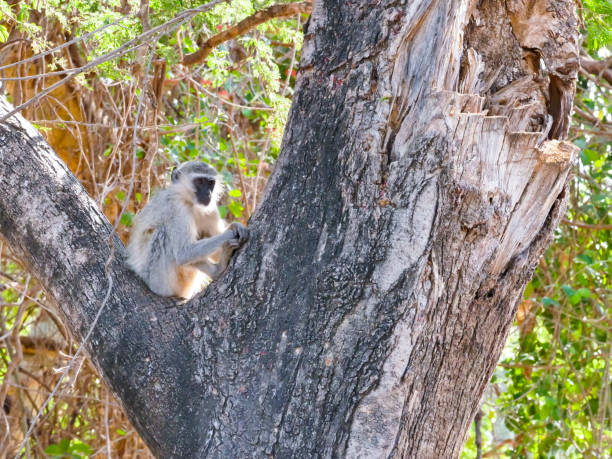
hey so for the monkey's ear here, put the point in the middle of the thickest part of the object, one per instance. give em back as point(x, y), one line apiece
point(175, 174)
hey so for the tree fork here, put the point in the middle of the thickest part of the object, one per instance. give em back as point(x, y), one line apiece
point(414, 194)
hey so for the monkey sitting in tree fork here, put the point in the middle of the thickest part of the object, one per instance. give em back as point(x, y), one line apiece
point(177, 232)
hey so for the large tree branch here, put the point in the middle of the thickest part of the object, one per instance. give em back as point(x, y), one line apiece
point(65, 241)
point(272, 12)
point(401, 223)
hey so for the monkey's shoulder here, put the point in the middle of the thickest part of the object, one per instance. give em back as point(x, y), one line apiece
point(163, 206)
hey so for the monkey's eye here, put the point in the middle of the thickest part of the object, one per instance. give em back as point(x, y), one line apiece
point(200, 182)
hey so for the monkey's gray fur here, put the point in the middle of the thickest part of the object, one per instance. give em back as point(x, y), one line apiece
point(175, 235)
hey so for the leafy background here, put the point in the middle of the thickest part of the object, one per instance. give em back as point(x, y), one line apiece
point(122, 124)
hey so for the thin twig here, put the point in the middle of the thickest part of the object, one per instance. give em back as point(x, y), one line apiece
point(14, 41)
point(587, 226)
point(478, 433)
point(107, 430)
point(62, 46)
point(226, 101)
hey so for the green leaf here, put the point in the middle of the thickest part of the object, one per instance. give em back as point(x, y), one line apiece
point(236, 208)
point(55, 450)
point(4, 34)
point(599, 197)
point(584, 293)
point(528, 290)
point(580, 142)
point(235, 193)
point(549, 301)
point(585, 258)
point(575, 299)
point(60, 449)
point(126, 219)
point(568, 290)
point(23, 14)
point(80, 447)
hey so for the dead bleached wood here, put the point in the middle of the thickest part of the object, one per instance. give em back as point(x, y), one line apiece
point(403, 219)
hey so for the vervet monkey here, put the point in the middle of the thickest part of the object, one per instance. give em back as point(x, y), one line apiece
point(177, 232)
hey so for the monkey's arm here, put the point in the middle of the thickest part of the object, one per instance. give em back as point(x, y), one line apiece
point(196, 252)
point(239, 235)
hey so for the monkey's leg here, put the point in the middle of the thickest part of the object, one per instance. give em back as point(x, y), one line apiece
point(214, 270)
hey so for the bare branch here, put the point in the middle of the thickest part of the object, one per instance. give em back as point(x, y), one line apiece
point(272, 12)
point(587, 226)
point(478, 429)
point(15, 41)
point(143, 14)
point(603, 69)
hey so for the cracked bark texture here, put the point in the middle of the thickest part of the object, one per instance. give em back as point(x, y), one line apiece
point(421, 176)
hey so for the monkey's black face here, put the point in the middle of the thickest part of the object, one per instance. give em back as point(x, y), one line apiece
point(203, 189)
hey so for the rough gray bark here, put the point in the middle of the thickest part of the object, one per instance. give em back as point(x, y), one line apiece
point(415, 191)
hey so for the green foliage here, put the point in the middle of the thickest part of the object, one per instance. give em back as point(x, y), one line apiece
point(72, 449)
point(3, 33)
point(126, 218)
point(598, 20)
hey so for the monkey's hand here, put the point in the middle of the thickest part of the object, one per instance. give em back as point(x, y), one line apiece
point(241, 235)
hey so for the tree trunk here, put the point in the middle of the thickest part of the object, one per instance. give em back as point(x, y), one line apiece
point(420, 179)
